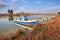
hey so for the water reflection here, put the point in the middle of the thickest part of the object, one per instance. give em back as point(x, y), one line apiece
point(10, 18)
point(7, 23)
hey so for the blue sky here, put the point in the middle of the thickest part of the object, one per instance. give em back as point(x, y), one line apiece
point(34, 6)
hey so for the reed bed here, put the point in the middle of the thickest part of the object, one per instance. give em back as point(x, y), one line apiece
point(48, 31)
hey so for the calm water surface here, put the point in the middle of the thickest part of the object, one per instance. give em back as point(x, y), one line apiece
point(8, 25)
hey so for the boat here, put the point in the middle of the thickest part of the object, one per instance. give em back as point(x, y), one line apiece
point(25, 21)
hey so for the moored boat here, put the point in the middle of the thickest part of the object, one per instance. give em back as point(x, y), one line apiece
point(25, 21)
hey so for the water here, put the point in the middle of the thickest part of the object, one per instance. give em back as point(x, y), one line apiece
point(7, 24)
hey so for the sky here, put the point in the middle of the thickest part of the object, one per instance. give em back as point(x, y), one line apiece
point(33, 6)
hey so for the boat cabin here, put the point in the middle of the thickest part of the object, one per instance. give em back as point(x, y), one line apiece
point(23, 18)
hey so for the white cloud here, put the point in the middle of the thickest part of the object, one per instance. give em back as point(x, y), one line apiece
point(50, 9)
point(20, 9)
point(53, 9)
point(25, 1)
point(4, 4)
point(14, 0)
point(38, 2)
point(40, 10)
point(1, 2)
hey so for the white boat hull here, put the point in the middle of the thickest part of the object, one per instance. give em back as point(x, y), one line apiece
point(25, 22)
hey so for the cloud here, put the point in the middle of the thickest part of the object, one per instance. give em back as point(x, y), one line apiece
point(25, 1)
point(3, 4)
point(50, 9)
point(39, 10)
point(23, 8)
point(38, 2)
point(14, 0)
point(53, 9)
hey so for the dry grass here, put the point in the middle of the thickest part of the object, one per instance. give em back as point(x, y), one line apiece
point(48, 31)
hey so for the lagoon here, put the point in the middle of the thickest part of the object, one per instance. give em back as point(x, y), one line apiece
point(7, 23)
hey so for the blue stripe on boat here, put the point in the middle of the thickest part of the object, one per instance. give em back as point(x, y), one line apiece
point(24, 23)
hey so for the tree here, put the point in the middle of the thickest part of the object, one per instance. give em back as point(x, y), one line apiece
point(10, 11)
